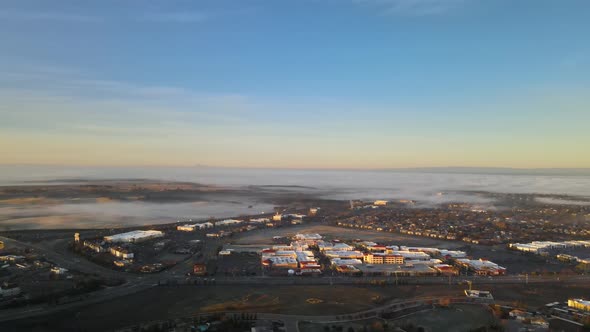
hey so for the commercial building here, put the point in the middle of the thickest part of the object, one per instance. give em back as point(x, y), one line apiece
point(228, 222)
point(284, 247)
point(324, 245)
point(121, 252)
point(427, 250)
point(579, 304)
point(12, 258)
point(121, 263)
point(299, 245)
point(368, 244)
point(413, 255)
point(259, 220)
point(58, 270)
point(283, 262)
point(346, 261)
point(307, 260)
point(94, 246)
point(285, 253)
point(540, 246)
point(482, 267)
point(446, 269)
point(313, 238)
point(342, 247)
point(430, 262)
point(380, 203)
point(344, 254)
point(382, 258)
point(186, 228)
point(194, 227)
point(134, 236)
point(297, 216)
point(452, 253)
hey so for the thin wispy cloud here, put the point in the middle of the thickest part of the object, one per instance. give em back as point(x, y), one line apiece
point(413, 7)
point(18, 15)
point(81, 104)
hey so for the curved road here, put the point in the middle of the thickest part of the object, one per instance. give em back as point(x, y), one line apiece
point(137, 283)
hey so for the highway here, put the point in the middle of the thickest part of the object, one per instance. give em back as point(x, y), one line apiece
point(292, 321)
point(176, 275)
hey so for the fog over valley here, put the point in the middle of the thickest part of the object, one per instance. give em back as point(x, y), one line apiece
point(227, 192)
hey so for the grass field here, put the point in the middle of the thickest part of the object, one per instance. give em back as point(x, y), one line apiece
point(264, 236)
point(186, 301)
point(456, 318)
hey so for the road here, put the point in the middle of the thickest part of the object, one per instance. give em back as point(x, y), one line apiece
point(137, 283)
point(292, 321)
point(66, 259)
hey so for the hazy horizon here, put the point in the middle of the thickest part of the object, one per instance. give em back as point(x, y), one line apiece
point(427, 188)
point(245, 84)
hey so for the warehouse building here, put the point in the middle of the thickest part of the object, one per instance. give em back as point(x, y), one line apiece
point(482, 267)
point(194, 227)
point(344, 254)
point(228, 222)
point(310, 239)
point(346, 261)
point(121, 252)
point(259, 220)
point(282, 262)
point(579, 304)
point(412, 255)
point(134, 236)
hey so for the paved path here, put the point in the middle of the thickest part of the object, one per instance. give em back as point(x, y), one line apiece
point(137, 283)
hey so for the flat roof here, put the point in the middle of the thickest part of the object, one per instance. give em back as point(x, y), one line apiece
point(392, 268)
point(132, 235)
point(581, 301)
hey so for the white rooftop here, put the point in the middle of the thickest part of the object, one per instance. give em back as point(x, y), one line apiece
point(308, 236)
point(133, 235)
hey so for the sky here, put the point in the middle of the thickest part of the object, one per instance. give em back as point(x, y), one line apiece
point(295, 83)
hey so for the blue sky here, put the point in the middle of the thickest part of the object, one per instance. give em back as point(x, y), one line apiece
point(306, 83)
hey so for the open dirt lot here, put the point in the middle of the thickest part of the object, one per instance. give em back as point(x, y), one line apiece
point(456, 318)
point(264, 236)
point(184, 301)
